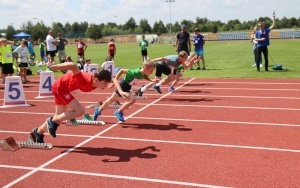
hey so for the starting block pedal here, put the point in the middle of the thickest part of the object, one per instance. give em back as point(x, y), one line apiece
point(139, 97)
point(87, 120)
point(9, 144)
point(75, 122)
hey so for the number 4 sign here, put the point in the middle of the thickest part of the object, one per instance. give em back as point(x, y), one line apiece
point(46, 82)
point(110, 65)
point(14, 93)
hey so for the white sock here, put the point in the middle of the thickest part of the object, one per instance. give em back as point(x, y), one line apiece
point(158, 84)
point(143, 89)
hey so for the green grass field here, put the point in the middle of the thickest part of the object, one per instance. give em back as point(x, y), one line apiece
point(224, 59)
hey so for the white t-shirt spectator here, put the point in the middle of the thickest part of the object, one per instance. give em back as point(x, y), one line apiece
point(22, 53)
point(49, 42)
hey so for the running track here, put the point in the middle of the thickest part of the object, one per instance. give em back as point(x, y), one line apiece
point(210, 133)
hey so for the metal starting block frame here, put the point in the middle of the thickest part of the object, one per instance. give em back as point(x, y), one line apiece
point(87, 120)
point(9, 144)
point(149, 89)
point(115, 105)
point(137, 97)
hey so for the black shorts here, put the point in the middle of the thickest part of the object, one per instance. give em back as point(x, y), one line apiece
point(124, 86)
point(7, 68)
point(144, 52)
point(23, 65)
point(51, 53)
point(163, 69)
point(80, 54)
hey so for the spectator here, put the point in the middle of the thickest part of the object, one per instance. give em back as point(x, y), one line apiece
point(21, 53)
point(6, 59)
point(254, 47)
point(183, 41)
point(51, 46)
point(62, 42)
point(144, 44)
point(42, 49)
point(81, 47)
point(30, 48)
point(199, 42)
point(86, 65)
point(13, 47)
point(262, 36)
point(112, 48)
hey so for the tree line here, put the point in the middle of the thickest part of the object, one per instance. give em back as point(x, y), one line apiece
point(97, 31)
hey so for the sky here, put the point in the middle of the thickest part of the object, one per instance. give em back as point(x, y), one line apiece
point(119, 11)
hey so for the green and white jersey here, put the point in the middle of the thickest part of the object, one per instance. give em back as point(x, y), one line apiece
point(42, 47)
point(134, 74)
point(143, 44)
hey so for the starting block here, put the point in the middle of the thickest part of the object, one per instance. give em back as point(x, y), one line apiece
point(137, 97)
point(115, 105)
point(149, 89)
point(9, 144)
point(87, 120)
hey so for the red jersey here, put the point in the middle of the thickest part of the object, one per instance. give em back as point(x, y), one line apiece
point(80, 47)
point(69, 82)
point(111, 48)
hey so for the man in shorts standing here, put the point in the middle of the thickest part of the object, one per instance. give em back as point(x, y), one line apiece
point(62, 42)
point(51, 45)
point(6, 59)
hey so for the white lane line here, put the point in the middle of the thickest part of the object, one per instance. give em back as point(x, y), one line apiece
point(84, 142)
point(234, 107)
point(152, 180)
point(251, 83)
point(220, 121)
point(204, 144)
point(180, 142)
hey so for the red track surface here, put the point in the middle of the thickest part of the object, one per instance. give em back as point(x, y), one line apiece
point(211, 132)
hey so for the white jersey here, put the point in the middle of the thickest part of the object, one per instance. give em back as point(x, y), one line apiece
point(22, 53)
point(49, 42)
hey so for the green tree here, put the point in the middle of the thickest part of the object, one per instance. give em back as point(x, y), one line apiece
point(67, 29)
point(27, 27)
point(94, 32)
point(57, 27)
point(144, 25)
point(159, 28)
point(40, 30)
point(10, 31)
point(176, 27)
point(130, 24)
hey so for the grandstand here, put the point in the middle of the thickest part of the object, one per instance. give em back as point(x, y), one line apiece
point(244, 35)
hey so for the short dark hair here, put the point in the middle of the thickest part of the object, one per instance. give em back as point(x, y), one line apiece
point(196, 29)
point(102, 75)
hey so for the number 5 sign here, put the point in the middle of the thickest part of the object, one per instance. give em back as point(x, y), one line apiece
point(92, 68)
point(46, 82)
point(14, 93)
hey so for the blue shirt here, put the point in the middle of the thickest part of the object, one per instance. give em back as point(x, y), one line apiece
point(199, 42)
point(30, 48)
point(173, 61)
point(259, 34)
